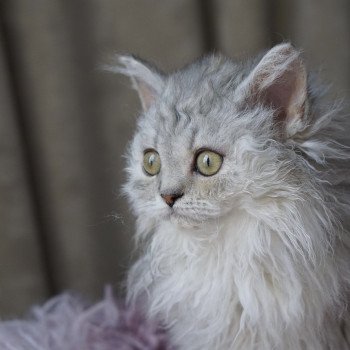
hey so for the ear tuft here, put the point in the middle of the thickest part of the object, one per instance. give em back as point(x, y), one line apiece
point(279, 81)
point(146, 80)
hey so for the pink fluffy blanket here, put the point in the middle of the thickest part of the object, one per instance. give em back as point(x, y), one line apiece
point(66, 323)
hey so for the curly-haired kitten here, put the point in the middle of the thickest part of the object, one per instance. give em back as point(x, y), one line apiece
point(238, 176)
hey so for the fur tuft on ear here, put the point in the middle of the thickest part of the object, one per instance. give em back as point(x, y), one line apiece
point(279, 81)
point(146, 80)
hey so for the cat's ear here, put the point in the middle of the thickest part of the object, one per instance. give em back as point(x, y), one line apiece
point(146, 80)
point(279, 81)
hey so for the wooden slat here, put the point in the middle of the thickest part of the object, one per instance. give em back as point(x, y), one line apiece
point(242, 27)
point(55, 119)
point(166, 32)
point(322, 30)
point(80, 119)
point(22, 277)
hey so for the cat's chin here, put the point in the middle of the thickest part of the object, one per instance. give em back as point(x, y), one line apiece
point(185, 221)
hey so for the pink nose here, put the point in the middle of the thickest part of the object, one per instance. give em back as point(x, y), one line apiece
point(170, 199)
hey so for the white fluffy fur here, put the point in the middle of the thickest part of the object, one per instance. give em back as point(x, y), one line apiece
point(256, 256)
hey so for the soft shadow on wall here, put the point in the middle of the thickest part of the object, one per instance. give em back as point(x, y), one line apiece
point(64, 124)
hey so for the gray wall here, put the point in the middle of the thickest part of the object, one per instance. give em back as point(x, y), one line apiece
point(64, 124)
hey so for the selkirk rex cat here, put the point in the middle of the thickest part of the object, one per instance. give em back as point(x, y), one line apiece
point(238, 175)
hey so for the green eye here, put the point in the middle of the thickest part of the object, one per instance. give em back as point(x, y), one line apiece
point(208, 163)
point(151, 162)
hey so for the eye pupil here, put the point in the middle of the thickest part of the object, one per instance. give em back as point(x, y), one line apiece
point(206, 160)
point(151, 159)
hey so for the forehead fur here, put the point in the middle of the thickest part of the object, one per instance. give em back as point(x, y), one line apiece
point(199, 101)
point(205, 81)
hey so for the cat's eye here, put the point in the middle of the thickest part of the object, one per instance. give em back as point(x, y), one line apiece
point(151, 162)
point(208, 163)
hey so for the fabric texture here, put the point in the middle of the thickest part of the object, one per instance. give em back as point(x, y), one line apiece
point(66, 322)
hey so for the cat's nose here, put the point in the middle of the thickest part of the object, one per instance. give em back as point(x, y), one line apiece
point(170, 199)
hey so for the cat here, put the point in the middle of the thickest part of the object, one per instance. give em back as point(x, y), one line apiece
point(238, 177)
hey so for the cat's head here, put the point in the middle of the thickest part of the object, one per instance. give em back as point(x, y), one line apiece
point(218, 136)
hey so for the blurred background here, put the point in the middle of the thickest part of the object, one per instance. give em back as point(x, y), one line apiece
point(64, 124)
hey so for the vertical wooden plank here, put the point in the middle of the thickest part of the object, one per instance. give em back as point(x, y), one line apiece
point(242, 27)
point(322, 29)
point(164, 31)
point(55, 118)
point(80, 119)
point(21, 267)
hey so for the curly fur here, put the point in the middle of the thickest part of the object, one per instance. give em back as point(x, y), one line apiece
point(257, 256)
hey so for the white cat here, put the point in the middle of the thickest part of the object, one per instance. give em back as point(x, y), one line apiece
point(238, 176)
